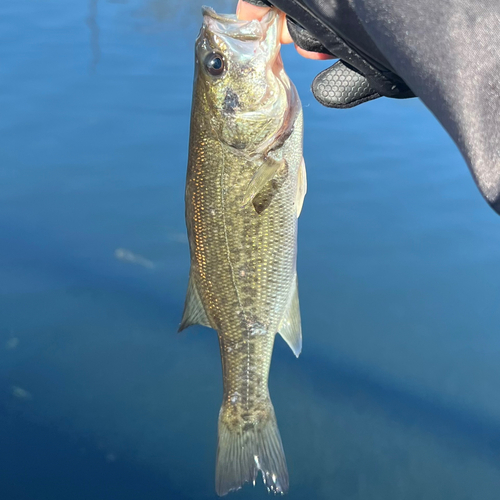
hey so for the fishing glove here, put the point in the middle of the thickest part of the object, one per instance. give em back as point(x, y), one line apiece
point(362, 72)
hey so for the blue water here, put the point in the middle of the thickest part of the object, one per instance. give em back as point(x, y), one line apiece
point(396, 394)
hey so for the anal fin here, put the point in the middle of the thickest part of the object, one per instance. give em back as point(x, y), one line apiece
point(194, 312)
point(290, 327)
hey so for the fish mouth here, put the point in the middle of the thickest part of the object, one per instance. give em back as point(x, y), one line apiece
point(230, 25)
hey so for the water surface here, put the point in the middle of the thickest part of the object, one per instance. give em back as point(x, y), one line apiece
point(396, 392)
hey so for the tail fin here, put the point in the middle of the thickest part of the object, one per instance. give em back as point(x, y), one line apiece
point(244, 451)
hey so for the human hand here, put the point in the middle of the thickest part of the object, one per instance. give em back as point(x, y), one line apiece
point(246, 11)
point(355, 78)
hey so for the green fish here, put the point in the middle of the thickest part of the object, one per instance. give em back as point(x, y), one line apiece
point(245, 187)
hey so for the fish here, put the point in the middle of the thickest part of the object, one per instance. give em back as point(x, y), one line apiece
point(245, 187)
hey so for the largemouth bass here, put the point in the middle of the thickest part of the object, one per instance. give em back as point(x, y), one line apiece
point(245, 187)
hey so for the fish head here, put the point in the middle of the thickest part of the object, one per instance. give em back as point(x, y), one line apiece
point(240, 82)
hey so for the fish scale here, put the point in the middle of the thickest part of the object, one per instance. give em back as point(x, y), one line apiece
point(243, 253)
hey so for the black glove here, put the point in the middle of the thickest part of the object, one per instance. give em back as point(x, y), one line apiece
point(361, 74)
point(444, 49)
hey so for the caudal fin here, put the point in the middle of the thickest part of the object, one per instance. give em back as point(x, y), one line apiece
point(243, 452)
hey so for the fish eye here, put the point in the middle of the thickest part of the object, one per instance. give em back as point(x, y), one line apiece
point(214, 63)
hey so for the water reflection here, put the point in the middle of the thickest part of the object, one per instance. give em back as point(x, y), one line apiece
point(94, 34)
point(180, 12)
point(128, 256)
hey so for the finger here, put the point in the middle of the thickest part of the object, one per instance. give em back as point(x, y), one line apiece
point(247, 12)
point(317, 56)
point(285, 34)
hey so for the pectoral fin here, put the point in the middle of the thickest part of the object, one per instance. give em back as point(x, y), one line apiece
point(301, 187)
point(262, 178)
point(290, 327)
point(194, 312)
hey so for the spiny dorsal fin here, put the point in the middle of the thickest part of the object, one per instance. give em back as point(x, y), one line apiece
point(301, 187)
point(290, 327)
point(194, 312)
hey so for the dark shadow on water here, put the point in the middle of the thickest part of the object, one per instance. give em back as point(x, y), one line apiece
point(38, 458)
point(345, 384)
point(38, 462)
point(53, 260)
